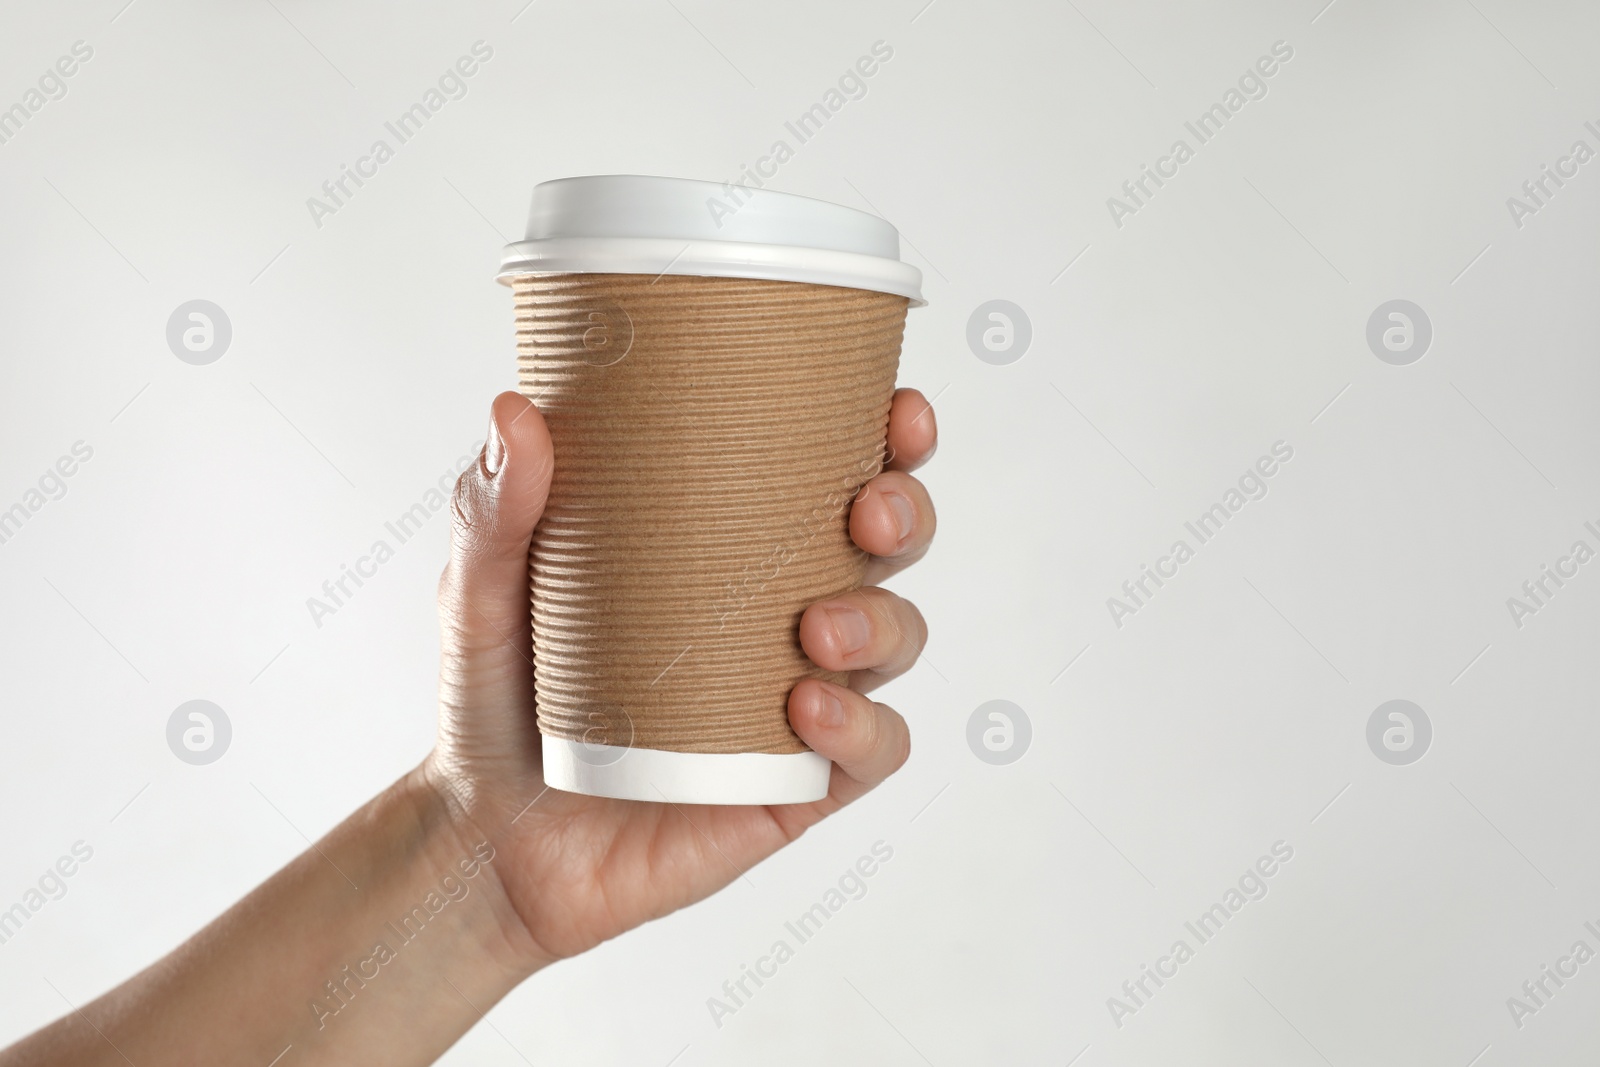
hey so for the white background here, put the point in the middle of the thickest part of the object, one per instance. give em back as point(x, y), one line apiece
point(1224, 316)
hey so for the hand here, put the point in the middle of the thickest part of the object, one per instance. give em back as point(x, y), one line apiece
point(577, 870)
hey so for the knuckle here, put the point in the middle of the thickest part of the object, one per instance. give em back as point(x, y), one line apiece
point(903, 619)
point(918, 625)
point(898, 744)
point(870, 727)
point(880, 609)
point(465, 508)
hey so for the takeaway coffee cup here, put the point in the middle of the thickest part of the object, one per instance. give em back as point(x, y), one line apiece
point(716, 373)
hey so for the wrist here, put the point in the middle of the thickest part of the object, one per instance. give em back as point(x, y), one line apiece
point(458, 848)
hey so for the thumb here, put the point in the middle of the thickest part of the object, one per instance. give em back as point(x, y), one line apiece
point(483, 594)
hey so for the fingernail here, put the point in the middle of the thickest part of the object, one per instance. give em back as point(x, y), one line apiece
point(905, 516)
point(852, 629)
point(830, 709)
point(494, 449)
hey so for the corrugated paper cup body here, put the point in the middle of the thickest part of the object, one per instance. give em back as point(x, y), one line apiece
point(710, 433)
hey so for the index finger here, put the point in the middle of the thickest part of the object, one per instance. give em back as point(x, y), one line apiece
point(913, 432)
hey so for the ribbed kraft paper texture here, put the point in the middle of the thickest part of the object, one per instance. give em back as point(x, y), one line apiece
point(710, 434)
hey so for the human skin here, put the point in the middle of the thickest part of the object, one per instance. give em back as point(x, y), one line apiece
point(510, 876)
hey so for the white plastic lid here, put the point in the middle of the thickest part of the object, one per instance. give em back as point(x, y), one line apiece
point(635, 224)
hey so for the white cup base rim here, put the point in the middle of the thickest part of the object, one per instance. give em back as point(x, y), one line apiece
point(685, 777)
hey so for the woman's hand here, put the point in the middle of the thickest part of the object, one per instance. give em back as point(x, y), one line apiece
point(372, 946)
point(577, 870)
